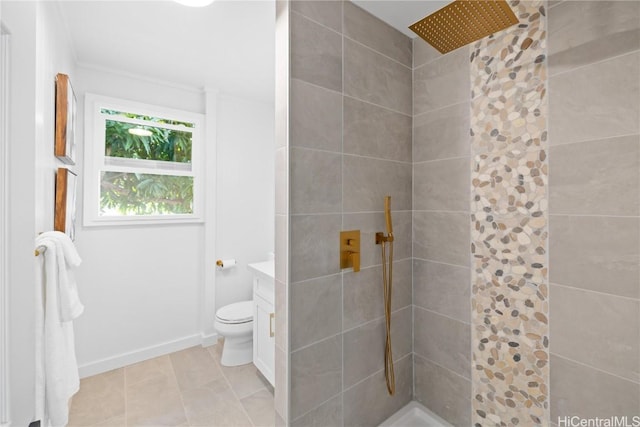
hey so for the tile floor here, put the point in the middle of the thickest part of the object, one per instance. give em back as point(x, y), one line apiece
point(186, 388)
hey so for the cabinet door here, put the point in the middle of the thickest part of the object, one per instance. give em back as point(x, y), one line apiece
point(263, 339)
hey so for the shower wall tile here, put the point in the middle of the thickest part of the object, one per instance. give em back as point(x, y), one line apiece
point(441, 133)
point(281, 181)
point(328, 13)
point(596, 253)
point(363, 355)
point(444, 392)
point(316, 117)
point(367, 181)
point(316, 53)
point(596, 101)
point(281, 248)
point(442, 288)
point(423, 52)
point(316, 181)
point(579, 390)
point(509, 219)
point(373, 131)
point(434, 341)
point(441, 185)
point(613, 170)
point(442, 237)
point(371, 223)
point(363, 27)
point(281, 389)
point(281, 310)
point(316, 310)
point(389, 86)
point(316, 375)
point(362, 293)
point(608, 341)
point(313, 246)
point(442, 82)
point(327, 414)
point(368, 403)
point(591, 32)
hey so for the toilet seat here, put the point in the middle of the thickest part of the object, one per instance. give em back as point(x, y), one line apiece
point(236, 313)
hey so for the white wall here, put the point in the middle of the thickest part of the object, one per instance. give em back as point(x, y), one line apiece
point(39, 50)
point(245, 192)
point(141, 285)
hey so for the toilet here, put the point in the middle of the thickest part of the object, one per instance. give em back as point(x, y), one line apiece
point(235, 323)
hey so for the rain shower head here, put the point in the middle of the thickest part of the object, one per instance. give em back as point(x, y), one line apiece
point(464, 21)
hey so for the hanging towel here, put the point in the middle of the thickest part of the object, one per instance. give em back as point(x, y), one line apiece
point(57, 376)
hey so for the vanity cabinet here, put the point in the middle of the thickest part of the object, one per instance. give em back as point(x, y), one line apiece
point(264, 319)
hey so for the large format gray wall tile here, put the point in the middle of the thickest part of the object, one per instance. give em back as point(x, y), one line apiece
point(316, 181)
point(596, 329)
point(442, 288)
point(442, 82)
point(433, 340)
point(578, 390)
point(596, 253)
point(596, 177)
point(316, 310)
point(596, 101)
point(327, 414)
point(375, 78)
point(363, 295)
point(316, 117)
point(442, 236)
point(328, 13)
point(444, 392)
point(378, 35)
point(442, 185)
point(316, 53)
point(591, 31)
point(368, 403)
point(370, 130)
point(423, 52)
point(371, 223)
point(364, 346)
point(314, 239)
point(316, 375)
point(367, 181)
point(441, 133)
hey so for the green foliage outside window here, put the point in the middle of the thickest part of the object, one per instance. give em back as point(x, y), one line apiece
point(146, 194)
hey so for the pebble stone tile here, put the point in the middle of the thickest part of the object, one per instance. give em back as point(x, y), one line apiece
point(509, 223)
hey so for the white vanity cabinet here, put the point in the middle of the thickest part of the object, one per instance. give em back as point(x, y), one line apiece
point(264, 319)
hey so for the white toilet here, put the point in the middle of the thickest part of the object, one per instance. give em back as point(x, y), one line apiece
point(235, 323)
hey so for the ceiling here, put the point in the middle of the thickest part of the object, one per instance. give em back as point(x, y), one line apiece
point(228, 46)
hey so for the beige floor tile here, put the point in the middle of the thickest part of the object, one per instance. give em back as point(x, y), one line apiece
point(148, 369)
point(216, 351)
point(101, 397)
point(260, 408)
point(155, 402)
point(119, 421)
point(214, 404)
point(194, 367)
point(245, 380)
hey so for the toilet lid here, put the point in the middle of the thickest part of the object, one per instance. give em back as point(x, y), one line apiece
point(238, 312)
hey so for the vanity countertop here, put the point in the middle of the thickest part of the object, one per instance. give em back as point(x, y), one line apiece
point(266, 268)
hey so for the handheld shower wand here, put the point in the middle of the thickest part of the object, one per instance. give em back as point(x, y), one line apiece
point(387, 283)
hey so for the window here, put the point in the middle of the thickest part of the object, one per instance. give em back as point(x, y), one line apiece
point(143, 163)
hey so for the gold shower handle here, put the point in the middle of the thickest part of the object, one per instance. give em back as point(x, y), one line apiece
point(387, 215)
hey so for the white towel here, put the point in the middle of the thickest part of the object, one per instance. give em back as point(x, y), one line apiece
point(57, 376)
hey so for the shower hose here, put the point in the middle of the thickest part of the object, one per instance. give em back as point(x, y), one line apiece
point(387, 283)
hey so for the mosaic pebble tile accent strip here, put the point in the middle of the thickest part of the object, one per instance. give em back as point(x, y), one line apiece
point(509, 223)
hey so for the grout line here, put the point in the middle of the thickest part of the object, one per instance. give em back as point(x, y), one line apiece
point(440, 211)
point(422, 162)
point(424, 113)
point(408, 67)
point(316, 407)
point(440, 262)
point(561, 73)
point(377, 105)
point(443, 315)
point(592, 215)
point(173, 370)
point(342, 153)
point(333, 30)
point(603, 139)
point(377, 319)
point(444, 367)
point(377, 372)
point(595, 292)
point(350, 213)
point(594, 368)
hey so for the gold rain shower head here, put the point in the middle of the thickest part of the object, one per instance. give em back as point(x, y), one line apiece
point(464, 21)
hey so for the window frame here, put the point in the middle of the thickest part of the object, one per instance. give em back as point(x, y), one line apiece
point(95, 160)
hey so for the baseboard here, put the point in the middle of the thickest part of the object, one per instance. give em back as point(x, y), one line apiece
point(121, 360)
point(209, 340)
